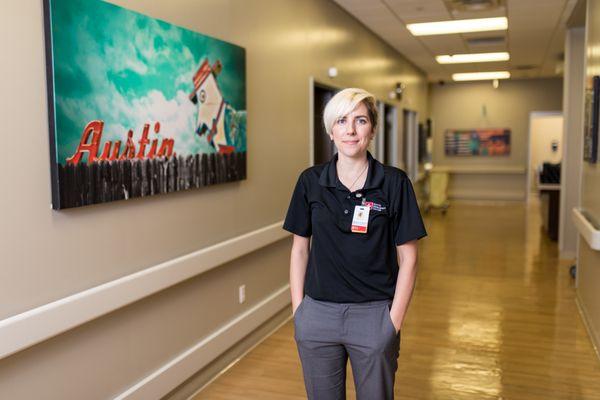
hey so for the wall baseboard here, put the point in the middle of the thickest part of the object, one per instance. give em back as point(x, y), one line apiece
point(172, 374)
point(567, 255)
point(486, 194)
point(41, 323)
point(594, 336)
point(482, 169)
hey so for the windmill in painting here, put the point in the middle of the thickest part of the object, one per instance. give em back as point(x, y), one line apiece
point(212, 108)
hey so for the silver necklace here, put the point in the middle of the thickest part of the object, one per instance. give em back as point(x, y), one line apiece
point(358, 177)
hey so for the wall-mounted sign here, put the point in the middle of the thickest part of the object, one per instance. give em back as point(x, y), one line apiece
point(138, 106)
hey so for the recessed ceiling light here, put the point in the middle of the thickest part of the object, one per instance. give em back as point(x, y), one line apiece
point(469, 58)
point(458, 26)
point(479, 76)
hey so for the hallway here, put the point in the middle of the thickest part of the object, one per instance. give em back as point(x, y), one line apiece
point(493, 317)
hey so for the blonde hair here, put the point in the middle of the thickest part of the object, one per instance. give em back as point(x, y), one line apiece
point(344, 102)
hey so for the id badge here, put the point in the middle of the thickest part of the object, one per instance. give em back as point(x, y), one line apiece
point(360, 220)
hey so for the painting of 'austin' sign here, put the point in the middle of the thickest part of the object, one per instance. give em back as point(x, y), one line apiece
point(139, 106)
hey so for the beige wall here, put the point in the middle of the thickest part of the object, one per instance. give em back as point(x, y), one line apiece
point(573, 140)
point(47, 255)
point(588, 260)
point(479, 105)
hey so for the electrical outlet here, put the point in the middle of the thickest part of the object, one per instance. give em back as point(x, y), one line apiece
point(242, 293)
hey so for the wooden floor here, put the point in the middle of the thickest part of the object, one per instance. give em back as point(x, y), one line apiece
point(493, 317)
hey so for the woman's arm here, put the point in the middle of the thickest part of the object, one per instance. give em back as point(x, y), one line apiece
point(298, 263)
point(407, 261)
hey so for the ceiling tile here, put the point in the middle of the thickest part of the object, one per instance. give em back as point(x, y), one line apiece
point(535, 35)
point(444, 44)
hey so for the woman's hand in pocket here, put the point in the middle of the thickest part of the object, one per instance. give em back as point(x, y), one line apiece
point(295, 307)
point(396, 322)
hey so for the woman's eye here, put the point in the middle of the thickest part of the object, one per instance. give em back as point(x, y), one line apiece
point(341, 121)
point(362, 121)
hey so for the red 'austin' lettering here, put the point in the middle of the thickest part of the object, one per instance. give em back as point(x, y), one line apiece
point(94, 128)
point(92, 135)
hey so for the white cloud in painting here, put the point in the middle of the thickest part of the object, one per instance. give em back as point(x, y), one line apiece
point(118, 106)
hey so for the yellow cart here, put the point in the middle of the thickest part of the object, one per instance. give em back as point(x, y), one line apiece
point(437, 190)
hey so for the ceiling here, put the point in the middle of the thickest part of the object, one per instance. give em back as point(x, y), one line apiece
point(534, 39)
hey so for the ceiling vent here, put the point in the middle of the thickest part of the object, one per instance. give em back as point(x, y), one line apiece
point(524, 67)
point(474, 5)
point(486, 41)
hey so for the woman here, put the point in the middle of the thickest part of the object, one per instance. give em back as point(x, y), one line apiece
point(352, 284)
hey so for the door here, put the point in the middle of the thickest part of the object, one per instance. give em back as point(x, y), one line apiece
point(545, 143)
point(386, 138)
point(323, 147)
point(410, 132)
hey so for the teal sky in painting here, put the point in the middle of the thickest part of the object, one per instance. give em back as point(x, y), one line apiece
point(128, 69)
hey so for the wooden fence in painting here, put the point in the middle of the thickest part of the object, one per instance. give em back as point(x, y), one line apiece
point(106, 181)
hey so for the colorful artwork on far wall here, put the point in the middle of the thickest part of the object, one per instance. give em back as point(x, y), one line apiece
point(477, 142)
point(138, 106)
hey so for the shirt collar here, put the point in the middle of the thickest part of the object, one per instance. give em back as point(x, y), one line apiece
point(374, 179)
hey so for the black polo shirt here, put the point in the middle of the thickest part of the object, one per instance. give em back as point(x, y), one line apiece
point(353, 267)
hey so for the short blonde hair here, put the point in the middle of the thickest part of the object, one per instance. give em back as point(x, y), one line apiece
point(344, 102)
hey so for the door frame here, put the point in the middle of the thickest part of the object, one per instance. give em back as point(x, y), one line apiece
point(411, 140)
point(392, 152)
point(312, 82)
point(532, 115)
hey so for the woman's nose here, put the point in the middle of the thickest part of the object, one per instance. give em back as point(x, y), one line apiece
point(350, 128)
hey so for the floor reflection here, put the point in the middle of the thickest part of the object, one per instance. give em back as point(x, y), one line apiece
point(493, 317)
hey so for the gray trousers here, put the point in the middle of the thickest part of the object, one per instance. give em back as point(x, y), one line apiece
point(328, 333)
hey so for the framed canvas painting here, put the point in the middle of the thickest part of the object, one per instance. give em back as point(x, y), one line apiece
point(477, 142)
point(139, 106)
point(591, 106)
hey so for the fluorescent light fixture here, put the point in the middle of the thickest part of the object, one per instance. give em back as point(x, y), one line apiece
point(458, 26)
point(480, 76)
point(472, 58)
